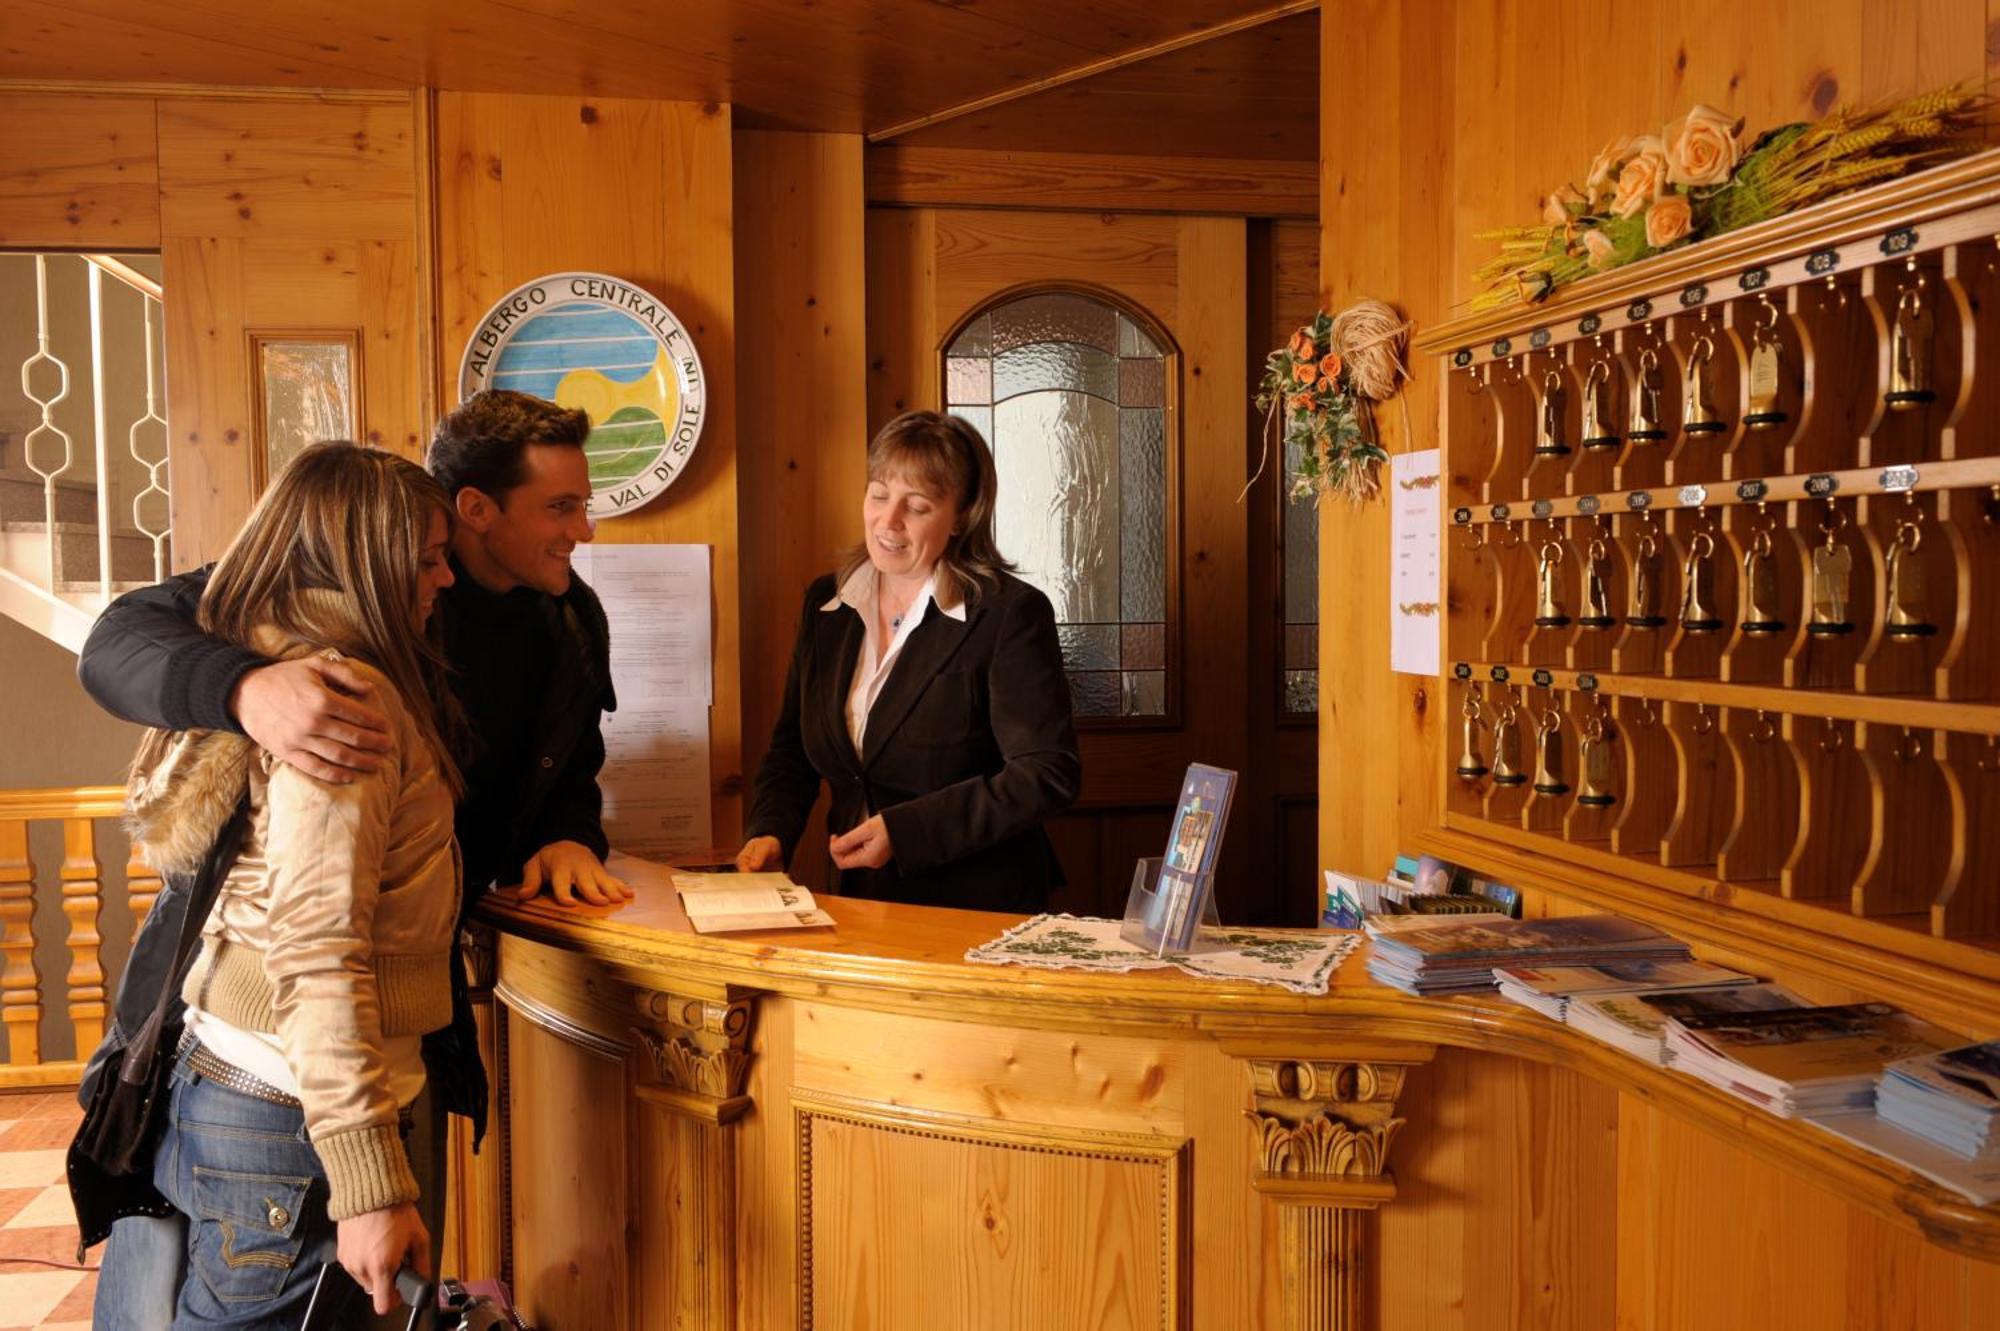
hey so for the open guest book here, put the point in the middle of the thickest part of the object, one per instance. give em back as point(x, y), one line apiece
point(721, 903)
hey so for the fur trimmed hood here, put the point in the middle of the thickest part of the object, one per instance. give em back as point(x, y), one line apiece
point(183, 787)
point(184, 784)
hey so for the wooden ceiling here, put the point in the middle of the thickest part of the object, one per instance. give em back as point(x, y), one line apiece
point(837, 65)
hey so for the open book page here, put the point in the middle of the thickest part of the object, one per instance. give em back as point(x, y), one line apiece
point(723, 903)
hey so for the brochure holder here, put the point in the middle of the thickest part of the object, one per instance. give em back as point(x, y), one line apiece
point(1166, 908)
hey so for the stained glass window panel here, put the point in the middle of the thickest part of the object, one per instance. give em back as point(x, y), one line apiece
point(1071, 392)
point(1301, 564)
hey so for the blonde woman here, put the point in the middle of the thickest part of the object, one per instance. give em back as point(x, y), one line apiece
point(326, 958)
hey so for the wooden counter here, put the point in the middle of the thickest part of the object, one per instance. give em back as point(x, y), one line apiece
point(856, 1128)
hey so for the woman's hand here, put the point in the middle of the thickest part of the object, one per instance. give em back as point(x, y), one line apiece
point(759, 855)
point(866, 847)
point(374, 1245)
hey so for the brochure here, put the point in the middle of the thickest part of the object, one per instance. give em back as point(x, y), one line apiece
point(730, 902)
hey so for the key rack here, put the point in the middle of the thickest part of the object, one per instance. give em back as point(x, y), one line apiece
point(1722, 552)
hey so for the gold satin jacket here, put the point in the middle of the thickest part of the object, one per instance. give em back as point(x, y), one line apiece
point(332, 931)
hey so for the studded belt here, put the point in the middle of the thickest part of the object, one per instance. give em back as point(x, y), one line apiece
point(224, 1073)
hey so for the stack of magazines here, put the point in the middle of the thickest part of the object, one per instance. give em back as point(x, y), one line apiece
point(1802, 1060)
point(1637, 1023)
point(1951, 1098)
point(1550, 989)
point(1456, 957)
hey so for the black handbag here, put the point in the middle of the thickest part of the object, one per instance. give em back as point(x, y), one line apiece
point(125, 1091)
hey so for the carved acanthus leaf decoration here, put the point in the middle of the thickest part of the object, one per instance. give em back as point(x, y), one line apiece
point(1323, 1146)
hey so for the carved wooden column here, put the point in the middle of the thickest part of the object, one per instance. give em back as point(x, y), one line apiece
point(695, 1058)
point(83, 902)
point(1324, 1128)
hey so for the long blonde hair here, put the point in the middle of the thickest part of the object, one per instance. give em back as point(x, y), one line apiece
point(351, 523)
point(944, 454)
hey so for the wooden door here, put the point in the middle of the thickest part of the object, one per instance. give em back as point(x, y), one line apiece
point(1281, 782)
point(1184, 280)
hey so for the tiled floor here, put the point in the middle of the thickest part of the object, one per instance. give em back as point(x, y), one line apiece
point(35, 1216)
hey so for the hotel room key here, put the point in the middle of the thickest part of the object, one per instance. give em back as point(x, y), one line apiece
point(1832, 579)
point(1910, 351)
point(1698, 414)
point(1470, 765)
point(1645, 422)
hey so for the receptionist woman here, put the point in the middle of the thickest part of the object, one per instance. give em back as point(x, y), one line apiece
point(927, 691)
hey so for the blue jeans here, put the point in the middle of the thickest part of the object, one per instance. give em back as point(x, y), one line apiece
point(140, 1278)
point(219, 1268)
point(253, 1229)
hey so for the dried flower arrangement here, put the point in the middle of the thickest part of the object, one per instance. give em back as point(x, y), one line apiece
point(1648, 193)
point(1317, 392)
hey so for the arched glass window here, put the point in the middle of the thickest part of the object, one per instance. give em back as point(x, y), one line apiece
point(1071, 392)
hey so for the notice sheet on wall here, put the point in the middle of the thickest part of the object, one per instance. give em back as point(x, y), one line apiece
point(1415, 617)
point(656, 778)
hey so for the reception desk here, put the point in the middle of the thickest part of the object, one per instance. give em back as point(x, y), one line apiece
point(854, 1128)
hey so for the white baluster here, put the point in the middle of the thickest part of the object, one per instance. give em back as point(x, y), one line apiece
point(155, 471)
point(48, 406)
point(100, 452)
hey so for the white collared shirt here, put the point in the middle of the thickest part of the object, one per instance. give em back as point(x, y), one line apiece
point(872, 670)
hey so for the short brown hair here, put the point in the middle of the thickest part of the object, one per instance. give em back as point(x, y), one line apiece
point(481, 444)
point(946, 454)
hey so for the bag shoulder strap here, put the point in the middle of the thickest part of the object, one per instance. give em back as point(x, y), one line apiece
point(202, 892)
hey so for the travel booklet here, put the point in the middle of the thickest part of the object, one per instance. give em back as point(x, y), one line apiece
point(1549, 989)
point(1637, 1023)
point(721, 903)
point(1952, 1098)
point(1458, 957)
point(1166, 916)
point(1803, 1060)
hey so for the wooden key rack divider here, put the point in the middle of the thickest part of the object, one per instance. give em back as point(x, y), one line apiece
point(1723, 546)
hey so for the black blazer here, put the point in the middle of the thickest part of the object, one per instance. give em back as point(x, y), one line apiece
point(969, 747)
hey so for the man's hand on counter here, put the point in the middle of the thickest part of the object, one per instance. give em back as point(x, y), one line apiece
point(573, 873)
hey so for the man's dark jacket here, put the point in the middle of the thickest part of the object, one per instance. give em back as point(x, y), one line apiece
point(147, 662)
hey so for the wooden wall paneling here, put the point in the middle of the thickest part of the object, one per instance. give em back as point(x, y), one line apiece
point(917, 1221)
point(395, 381)
point(1223, 1200)
point(286, 170)
point(568, 1207)
point(913, 176)
point(208, 394)
point(902, 312)
point(532, 169)
point(1210, 322)
point(276, 215)
point(1718, 1238)
point(1386, 206)
point(803, 423)
point(981, 252)
point(78, 172)
point(767, 1176)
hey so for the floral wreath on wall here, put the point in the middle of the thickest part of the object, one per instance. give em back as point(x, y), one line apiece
point(1645, 194)
point(1318, 392)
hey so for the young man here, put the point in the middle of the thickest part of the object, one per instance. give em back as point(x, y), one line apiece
point(530, 652)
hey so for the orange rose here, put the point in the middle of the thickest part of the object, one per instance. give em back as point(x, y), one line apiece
point(1305, 372)
point(1604, 171)
point(1330, 367)
point(1302, 345)
point(1598, 247)
point(1668, 220)
point(1703, 148)
point(1642, 179)
point(1301, 402)
point(1556, 210)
